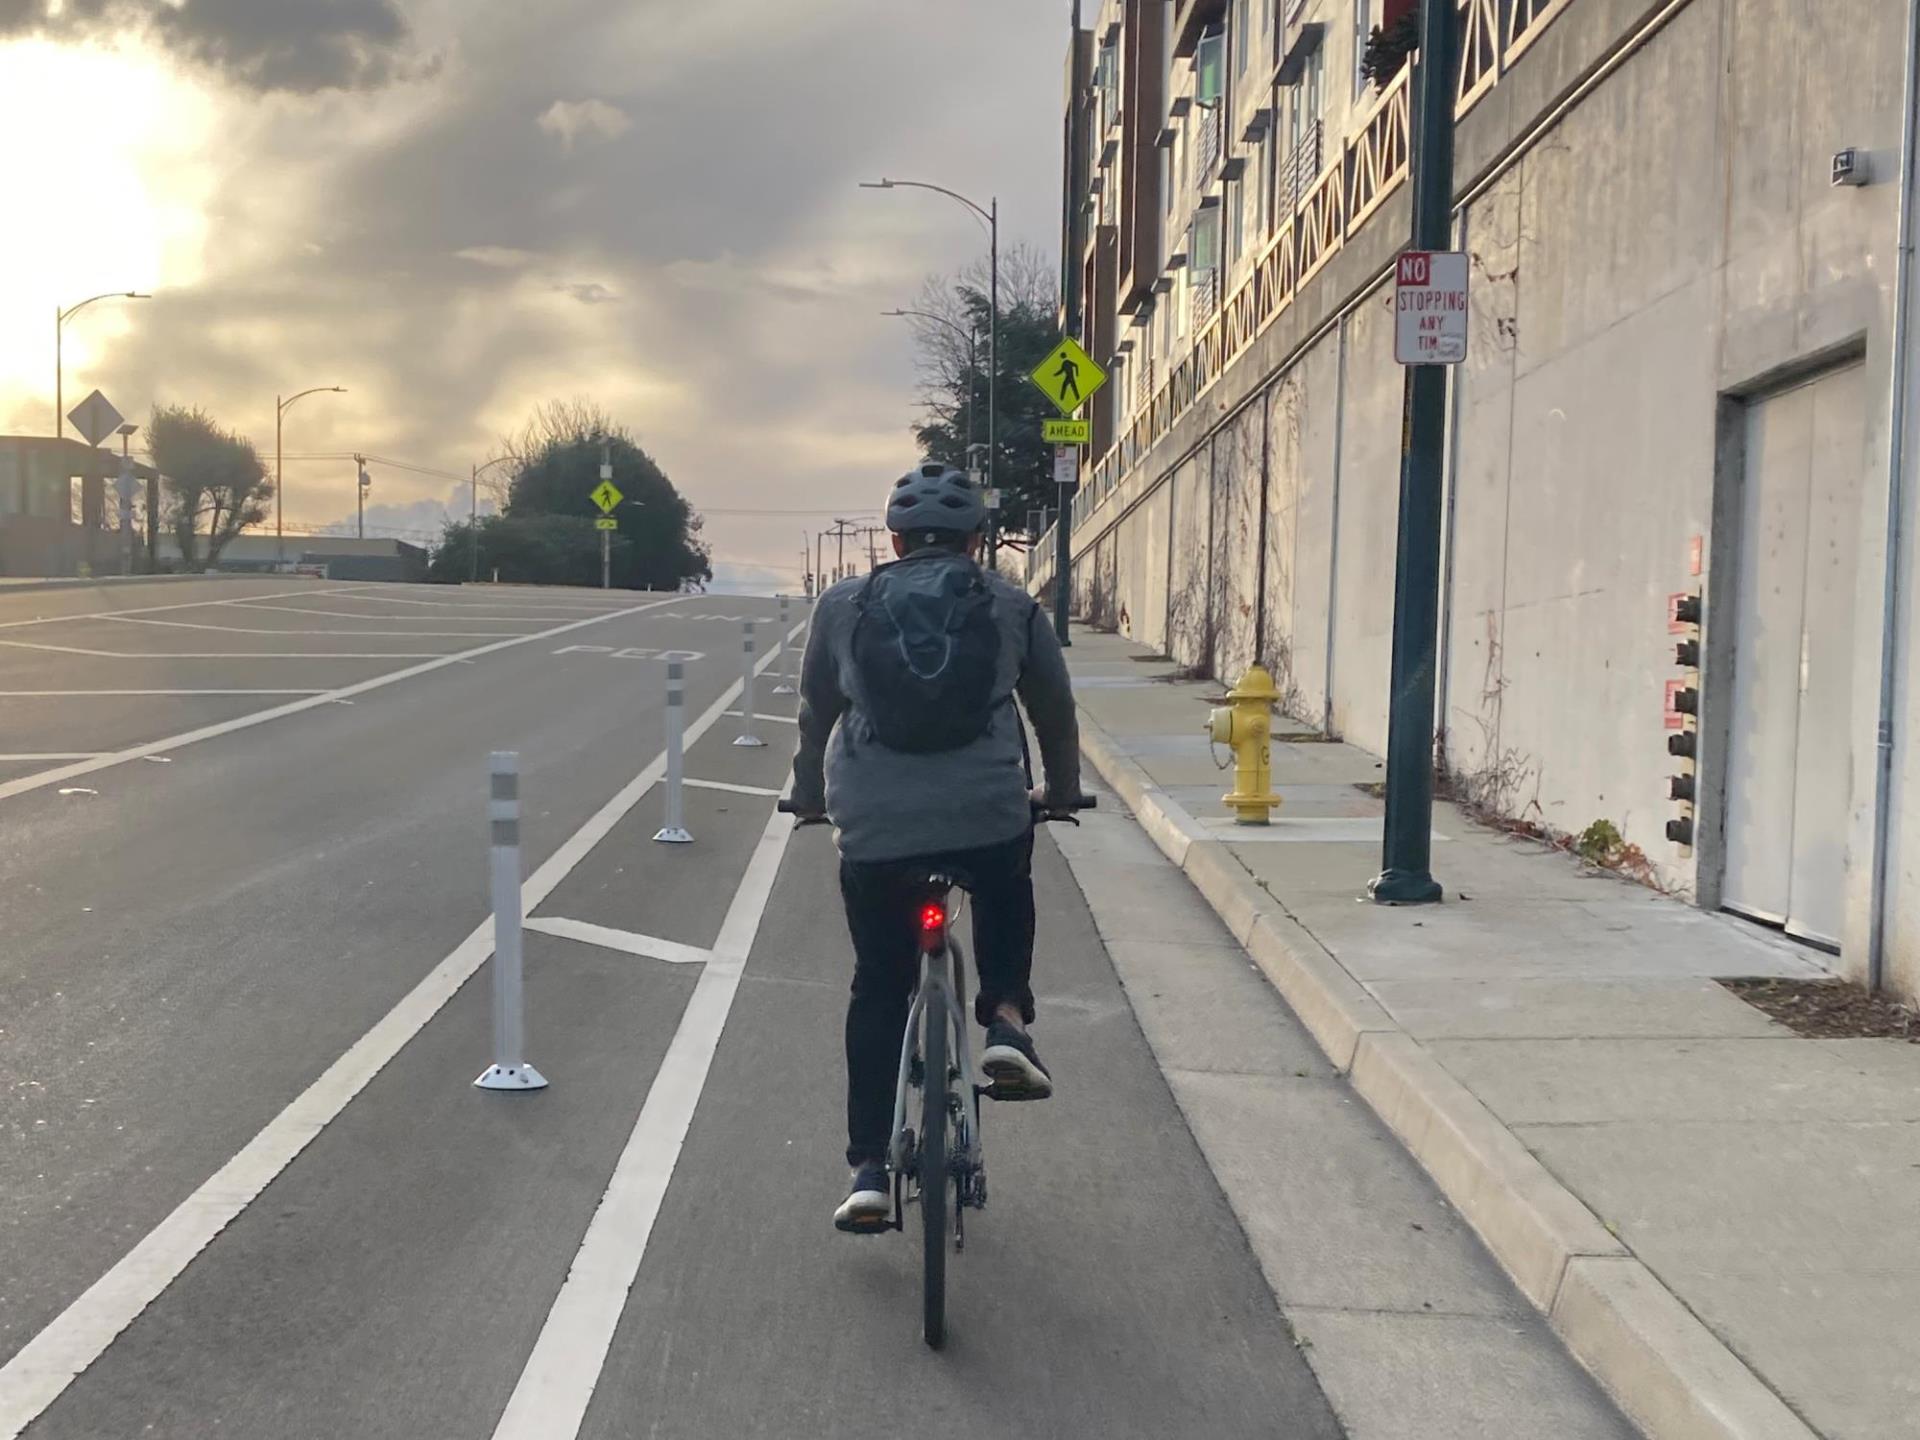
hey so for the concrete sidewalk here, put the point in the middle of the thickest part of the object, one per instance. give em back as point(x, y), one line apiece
point(1716, 1215)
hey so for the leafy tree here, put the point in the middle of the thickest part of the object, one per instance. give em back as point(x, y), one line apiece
point(526, 550)
point(954, 391)
point(556, 468)
point(215, 482)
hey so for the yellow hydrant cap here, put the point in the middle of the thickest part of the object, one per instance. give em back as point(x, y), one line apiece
point(1256, 684)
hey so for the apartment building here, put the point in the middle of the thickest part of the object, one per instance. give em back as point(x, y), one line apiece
point(1683, 220)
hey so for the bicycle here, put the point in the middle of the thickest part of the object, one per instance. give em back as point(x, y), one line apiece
point(946, 1150)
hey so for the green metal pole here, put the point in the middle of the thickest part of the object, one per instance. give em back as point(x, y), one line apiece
point(1406, 877)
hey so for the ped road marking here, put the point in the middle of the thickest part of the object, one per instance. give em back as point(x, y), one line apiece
point(551, 1398)
point(729, 786)
point(48, 1363)
point(295, 707)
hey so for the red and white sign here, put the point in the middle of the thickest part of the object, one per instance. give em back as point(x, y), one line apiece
point(1430, 308)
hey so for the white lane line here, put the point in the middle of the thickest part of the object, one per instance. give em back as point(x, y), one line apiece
point(349, 615)
point(262, 654)
point(72, 755)
point(777, 719)
point(309, 592)
point(627, 942)
point(42, 1368)
point(729, 786)
point(295, 707)
point(532, 600)
point(296, 634)
point(550, 1400)
point(77, 694)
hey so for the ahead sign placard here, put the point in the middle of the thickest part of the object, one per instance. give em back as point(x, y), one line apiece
point(1430, 308)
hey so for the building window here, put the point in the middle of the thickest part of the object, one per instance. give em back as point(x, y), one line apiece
point(1209, 81)
point(1237, 222)
point(1242, 36)
point(1166, 177)
point(1204, 248)
point(1362, 27)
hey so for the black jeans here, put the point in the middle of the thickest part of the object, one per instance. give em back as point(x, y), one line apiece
point(883, 902)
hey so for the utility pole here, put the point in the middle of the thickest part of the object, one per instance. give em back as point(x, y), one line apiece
point(1406, 875)
point(361, 483)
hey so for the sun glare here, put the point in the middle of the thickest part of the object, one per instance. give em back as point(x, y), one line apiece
point(106, 178)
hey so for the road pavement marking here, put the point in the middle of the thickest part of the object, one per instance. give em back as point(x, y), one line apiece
point(761, 715)
point(295, 634)
point(263, 654)
point(76, 694)
point(729, 786)
point(349, 615)
point(309, 702)
point(309, 592)
point(627, 942)
point(70, 755)
point(550, 1400)
point(79, 1335)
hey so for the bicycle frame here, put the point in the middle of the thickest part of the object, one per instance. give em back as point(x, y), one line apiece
point(938, 995)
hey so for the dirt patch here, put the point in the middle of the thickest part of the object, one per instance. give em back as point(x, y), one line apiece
point(1830, 1009)
point(1151, 659)
point(1376, 788)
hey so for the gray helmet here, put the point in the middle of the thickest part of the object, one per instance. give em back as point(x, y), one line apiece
point(935, 497)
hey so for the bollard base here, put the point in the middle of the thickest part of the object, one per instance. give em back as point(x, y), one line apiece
point(750, 741)
point(784, 689)
point(511, 1077)
point(673, 835)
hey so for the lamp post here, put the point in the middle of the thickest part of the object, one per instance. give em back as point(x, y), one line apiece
point(473, 514)
point(60, 318)
point(280, 408)
point(991, 214)
point(971, 336)
point(124, 492)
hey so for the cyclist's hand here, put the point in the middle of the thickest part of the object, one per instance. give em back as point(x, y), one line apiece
point(1053, 809)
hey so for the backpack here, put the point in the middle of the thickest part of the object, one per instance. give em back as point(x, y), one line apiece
point(927, 649)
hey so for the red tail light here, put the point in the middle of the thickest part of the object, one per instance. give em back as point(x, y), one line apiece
point(932, 918)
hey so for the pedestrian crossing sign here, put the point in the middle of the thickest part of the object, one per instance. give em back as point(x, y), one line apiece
point(606, 496)
point(1068, 375)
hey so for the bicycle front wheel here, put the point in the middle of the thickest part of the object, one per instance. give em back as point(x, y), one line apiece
point(934, 1183)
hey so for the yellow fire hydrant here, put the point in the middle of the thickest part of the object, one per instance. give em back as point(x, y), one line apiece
point(1245, 722)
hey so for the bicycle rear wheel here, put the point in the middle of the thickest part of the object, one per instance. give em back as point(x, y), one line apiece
point(935, 1186)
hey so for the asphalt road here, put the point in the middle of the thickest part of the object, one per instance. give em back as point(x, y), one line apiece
point(250, 1190)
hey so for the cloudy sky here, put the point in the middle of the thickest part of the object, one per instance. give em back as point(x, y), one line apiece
point(460, 208)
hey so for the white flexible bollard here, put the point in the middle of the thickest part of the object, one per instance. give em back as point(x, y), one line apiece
point(746, 737)
point(509, 1070)
point(780, 652)
point(674, 832)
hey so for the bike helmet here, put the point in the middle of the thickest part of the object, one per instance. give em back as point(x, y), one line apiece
point(935, 497)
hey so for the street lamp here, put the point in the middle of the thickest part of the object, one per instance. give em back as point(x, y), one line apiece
point(473, 514)
point(280, 408)
point(60, 318)
point(991, 214)
point(971, 336)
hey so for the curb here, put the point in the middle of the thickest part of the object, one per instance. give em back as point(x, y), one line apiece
point(1671, 1375)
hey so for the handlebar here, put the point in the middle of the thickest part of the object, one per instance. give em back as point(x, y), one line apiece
point(1040, 812)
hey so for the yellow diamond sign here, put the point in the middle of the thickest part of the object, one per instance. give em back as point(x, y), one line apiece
point(1068, 375)
point(606, 496)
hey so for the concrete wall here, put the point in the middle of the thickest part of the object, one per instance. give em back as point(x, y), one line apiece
point(1670, 246)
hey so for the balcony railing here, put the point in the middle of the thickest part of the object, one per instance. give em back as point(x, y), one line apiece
point(1319, 210)
point(1206, 145)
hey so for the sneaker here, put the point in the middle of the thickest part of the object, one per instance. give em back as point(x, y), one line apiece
point(868, 1209)
point(1012, 1065)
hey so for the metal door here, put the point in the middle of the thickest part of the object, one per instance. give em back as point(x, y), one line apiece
point(1789, 777)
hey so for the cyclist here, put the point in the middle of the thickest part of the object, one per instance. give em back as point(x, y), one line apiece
point(911, 743)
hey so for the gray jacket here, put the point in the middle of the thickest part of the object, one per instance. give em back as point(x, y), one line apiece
point(888, 805)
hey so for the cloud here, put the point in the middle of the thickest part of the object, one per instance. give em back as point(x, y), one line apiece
point(500, 257)
point(569, 121)
point(714, 278)
point(301, 46)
